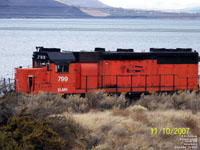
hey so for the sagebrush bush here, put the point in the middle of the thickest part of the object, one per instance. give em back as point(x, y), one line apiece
point(100, 100)
point(180, 101)
point(188, 121)
point(137, 108)
point(140, 116)
point(105, 146)
point(73, 133)
point(76, 104)
point(44, 104)
point(45, 113)
point(55, 133)
point(41, 105)
point(5, 114)
point(22, 132)
point(106, 127)
point(94, 100)
point(119, 131)
point(194, 104)
point(120, 112)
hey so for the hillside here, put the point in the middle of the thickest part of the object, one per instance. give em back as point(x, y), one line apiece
point(192, 9)
point(77, 9)
point(3, 2)
point(41, 3)
point(38, 9)
point(85, 3)
point(91, 7)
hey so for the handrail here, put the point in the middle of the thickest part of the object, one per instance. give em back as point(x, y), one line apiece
point(177, 83)
point(146, 87)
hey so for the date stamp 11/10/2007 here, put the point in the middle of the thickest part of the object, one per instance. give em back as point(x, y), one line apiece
point(170, 131)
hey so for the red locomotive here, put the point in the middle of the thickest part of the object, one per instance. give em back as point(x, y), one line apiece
point(115, 72)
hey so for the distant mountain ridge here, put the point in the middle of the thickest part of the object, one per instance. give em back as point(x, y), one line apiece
point(31, 3)
point(76, 3)
point(38, 9)
point(48, 8)
point(85, 3)
point(192, 9)
point(3, 2)
point(77, 9)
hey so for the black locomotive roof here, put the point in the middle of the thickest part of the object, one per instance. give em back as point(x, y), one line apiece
point(53, 55)
point(61, 58)
point(163, 56)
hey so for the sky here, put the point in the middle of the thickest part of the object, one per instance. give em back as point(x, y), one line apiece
point(153, 4)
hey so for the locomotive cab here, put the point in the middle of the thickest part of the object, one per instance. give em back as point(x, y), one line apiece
point(50, 72)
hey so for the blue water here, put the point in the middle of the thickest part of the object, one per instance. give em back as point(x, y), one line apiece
point(19, 37)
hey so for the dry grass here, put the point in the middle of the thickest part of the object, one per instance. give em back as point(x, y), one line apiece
point(101, 122)
point(114, 131)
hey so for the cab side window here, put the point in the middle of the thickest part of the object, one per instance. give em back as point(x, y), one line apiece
point(62, 68)
point(43, 64)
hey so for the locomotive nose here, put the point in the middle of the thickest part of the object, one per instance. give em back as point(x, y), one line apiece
point(26, 78)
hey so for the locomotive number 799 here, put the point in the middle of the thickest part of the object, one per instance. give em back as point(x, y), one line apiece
point(62, 78)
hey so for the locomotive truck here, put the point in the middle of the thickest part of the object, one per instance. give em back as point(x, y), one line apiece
point(71, 72)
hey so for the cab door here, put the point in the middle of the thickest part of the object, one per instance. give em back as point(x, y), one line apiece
point(31, 84)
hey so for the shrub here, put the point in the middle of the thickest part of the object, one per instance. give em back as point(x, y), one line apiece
point(194, 104)
point(120, 112)
point(107, 103)
point(100, 100)
point(193, 125)
point(70, 131)
point(119, 131)
point(140, 116)
point(94, 98)
point(121, 101)
point(5, 114)
point(137, 108)
point(105, 146)
point(39, 106)
point(45, 113)
point(45, 104)
point(22, 132)
point(94, 140)
point(76, 104)
point(106, 126)
point(179, 101)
